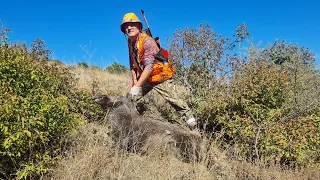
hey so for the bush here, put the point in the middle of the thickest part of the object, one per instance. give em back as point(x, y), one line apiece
point(256, 118)
point(264, 101)
point(116, 68)
point(95, 68)
point(83, 65)
point(38, 108)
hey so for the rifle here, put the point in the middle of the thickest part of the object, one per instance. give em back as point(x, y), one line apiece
point(145, 20)
point(148, 31)
point(162, 56)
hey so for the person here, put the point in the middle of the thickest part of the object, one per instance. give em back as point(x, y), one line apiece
point(151, 83)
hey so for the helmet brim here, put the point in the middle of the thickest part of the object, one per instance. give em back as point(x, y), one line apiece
point(122, 25)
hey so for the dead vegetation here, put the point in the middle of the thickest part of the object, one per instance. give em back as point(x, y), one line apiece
point(100, 81)
point(94, 155)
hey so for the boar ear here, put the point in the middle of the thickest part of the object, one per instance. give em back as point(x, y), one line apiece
point(103, 100)
point(109, 100)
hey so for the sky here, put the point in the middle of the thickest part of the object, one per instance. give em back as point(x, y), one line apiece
point(70, 27)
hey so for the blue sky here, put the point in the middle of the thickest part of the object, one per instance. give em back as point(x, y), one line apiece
point(66, 25)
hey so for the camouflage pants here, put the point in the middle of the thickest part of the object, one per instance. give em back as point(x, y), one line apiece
point(164, 96)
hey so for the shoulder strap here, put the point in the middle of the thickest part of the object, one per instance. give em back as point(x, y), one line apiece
point(132, 57)
point(140, 48)
point(141, 41)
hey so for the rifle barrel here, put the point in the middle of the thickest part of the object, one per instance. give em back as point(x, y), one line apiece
point(145, 20)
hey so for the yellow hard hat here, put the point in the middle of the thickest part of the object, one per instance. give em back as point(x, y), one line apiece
point(129, 17)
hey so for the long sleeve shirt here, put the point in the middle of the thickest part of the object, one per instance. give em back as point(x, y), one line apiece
point(150, 51)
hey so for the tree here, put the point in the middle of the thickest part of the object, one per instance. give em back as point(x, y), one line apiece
point(83, 65)
point(300, 65)
point(116, 68)
point(281, 51)
point(263, 101)
point(202, 57)
point(39, 50)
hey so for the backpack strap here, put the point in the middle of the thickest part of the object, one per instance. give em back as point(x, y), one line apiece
point(140, 52)
point(132, 57)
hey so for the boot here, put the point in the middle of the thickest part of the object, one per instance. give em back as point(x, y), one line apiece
point(192, 124)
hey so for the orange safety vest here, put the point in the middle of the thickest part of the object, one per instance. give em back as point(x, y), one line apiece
point(161, 70)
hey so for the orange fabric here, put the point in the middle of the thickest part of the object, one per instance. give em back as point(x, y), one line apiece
point(160, 71)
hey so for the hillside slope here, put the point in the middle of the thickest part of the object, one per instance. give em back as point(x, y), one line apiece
point(94, 156)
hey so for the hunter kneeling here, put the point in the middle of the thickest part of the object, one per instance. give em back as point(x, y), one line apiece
point(151, 71)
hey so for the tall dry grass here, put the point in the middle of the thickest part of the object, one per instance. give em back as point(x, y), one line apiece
point(101, 81)
point(93, 155)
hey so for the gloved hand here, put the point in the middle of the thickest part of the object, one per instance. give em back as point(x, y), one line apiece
point(135, 91)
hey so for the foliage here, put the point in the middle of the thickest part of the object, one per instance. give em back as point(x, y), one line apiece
point(255, 117)
point(300, 67)
point(116, 68)
point(271, 128)
point(39, 50)
point(83, 65)
point(38, 107)
point(86, 66)
point(281, 51)
point(3, 36)
point(202, 57)
point(265, 101)
point(95, 67)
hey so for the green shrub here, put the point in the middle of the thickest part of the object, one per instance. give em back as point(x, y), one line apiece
point(38, 108)
point(256, 117)
point(95, 68)
point(116, 68)
point(83, 65)
point(265, 102)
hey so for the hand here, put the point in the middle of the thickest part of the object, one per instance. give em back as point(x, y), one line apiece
point(135, 91)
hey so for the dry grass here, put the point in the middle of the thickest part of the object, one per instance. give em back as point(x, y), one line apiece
point(101, 81)
point(245, 170)
point(94, 156)
point(110, 84)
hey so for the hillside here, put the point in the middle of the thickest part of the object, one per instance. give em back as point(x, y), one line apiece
point(93, 156)
point(258, 112)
